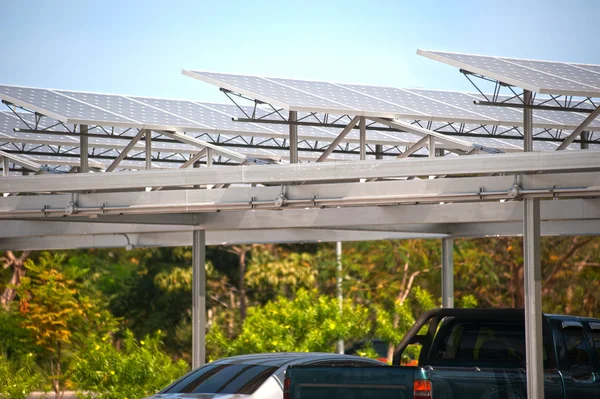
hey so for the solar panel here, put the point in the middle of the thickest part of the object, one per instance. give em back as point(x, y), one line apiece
point(406, 104)
point(544, 77)
point(164, 114)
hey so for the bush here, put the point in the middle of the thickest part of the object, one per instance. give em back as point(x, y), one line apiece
point(17, 380)
point(139, 369)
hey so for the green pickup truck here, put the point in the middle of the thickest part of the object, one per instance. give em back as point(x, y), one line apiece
point(467, 353)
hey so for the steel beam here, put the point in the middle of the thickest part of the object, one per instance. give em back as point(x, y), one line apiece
point(83, 149)
point(125, 151)
point(322, 172)
point(586, 122)
point(363, 138)
point(21, 161)
point(5, 166)
point(448, 272)
point(378, 151)
point(293, 117)
point(339, 139)
point(407, 127)
point(340, 293)
point(148, 154)
point(203, 144)
point(533, 273)
point(431, 146)
point(585, 136)
point(198, 298)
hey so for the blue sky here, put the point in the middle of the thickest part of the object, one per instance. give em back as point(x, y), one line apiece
point(140, 47)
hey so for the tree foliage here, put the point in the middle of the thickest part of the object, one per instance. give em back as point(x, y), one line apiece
point(140, 368)
point(308, 323)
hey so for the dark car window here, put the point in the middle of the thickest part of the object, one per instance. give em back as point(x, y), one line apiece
point(237, 378)
point(575, 351)
point(476, 343)
point(596, 340)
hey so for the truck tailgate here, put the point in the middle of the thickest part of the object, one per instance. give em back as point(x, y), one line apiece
point(339, 382)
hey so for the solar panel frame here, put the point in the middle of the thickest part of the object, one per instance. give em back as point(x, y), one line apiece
point(522, 73)
point(412, 101)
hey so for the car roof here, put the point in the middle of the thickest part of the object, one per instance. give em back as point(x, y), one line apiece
point(288, 358)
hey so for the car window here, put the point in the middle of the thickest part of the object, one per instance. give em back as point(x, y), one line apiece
point(479, 343)
point(595, 334)
point(575, 350)
point(230, 378)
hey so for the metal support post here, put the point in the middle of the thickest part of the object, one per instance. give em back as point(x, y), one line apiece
point(148, 134)
point(533, 275)
point(5, 167)
point(585, 136)
point(293, 137)
point(363, 138)
point(209, 157)
point(448, 272)
point(431, 145)
point(378, 151)
point(83, 149)
point(338, 257)
point(198, 298)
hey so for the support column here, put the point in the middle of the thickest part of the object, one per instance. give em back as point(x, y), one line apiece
point(585, 136)
point(148, 134)
point(83, 149)
point(198, 298)
point(378, 151)
point(431, 146)
point(338, 257)
point(209, 157)
point(533, 275)
point(5, 167)
point(293, 137)
point(363, 138)
point(448, 272)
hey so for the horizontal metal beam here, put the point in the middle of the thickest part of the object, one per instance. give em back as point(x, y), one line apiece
point(318, 172)
point(534, 107)
point(183, 238)
point(302, 196)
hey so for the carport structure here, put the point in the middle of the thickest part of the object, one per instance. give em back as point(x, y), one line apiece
point(308, 161)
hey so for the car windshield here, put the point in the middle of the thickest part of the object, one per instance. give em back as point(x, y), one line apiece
point(231, 378)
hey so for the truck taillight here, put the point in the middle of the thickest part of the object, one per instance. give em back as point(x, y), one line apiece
point(422, 389)
point(286, 388)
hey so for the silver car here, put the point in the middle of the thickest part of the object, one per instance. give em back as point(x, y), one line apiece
point(250, 376)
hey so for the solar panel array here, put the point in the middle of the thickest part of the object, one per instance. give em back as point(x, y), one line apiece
point(377, 101)
point(545, 77)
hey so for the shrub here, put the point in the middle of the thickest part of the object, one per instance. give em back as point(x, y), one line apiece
point(18, 379)
point(139, 369)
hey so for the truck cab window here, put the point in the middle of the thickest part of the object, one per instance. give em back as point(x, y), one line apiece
point(576, 352)
point(481, 343)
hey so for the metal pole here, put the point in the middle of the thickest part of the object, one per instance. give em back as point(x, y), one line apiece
point(431, 146)
point(585, 136)
point(83, 149)
point(198, 298)
point(209, 157)
point(148, 134)
point(363, 138)
point(338, 257)
point(5, 167)
point(378, 151)
point(293, 137)
point(448, 272)
point(533, 275)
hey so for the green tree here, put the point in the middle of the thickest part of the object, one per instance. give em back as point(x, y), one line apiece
point(56, 315)
point(139, 368)
point(308, 322)
point(18, 378)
